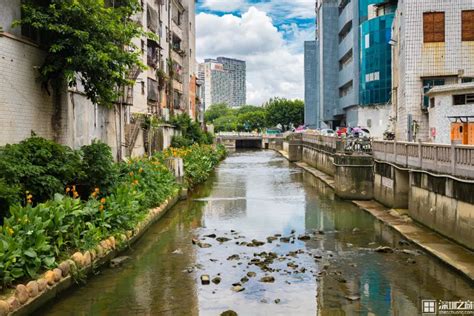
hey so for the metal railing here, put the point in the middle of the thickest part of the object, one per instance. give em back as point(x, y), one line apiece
point(456, 160)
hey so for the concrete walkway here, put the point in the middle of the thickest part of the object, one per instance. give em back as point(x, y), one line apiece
point(452, 254)
point(447, 251)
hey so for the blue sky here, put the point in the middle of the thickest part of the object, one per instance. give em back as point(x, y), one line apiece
point(269, 35)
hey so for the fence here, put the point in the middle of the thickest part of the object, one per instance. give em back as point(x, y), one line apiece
point(456, 160)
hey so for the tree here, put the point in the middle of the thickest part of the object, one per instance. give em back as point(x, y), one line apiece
point(253, 120)
point(226, 123)
point(87, 41)
point(285, 112)
point(217, 110)
point(249, 108)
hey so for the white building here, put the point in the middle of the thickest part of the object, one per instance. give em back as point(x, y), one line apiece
point(432, 45)
point(450, 107)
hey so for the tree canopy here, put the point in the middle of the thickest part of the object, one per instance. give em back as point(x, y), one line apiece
point(248, 118)
point(87, 41)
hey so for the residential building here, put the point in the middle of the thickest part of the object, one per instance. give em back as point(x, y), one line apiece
point(74, 120)
point(311, 91)
point(353, 71)
point(224, 81)
point(432, 46)
point(451, 114)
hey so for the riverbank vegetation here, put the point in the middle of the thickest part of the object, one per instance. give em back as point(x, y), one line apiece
point(275, 112)
point(62, 200)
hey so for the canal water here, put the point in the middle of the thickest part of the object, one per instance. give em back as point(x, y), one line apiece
point(254, 195)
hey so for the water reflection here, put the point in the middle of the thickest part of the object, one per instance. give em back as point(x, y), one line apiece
point(253, 195)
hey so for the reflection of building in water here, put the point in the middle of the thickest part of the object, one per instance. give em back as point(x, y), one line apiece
point(228, 198)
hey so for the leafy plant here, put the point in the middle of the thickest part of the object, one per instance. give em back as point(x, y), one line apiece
point(98, 168)
point(88, 40)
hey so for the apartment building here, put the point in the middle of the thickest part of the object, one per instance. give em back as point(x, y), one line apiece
point(224, 81)
point(25, 107)
point(433, 45)
point(311, 91)
point(354, 58)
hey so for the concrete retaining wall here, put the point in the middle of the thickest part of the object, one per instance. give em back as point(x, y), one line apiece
point(319, 160)
point(444, 205)
point(391, 186)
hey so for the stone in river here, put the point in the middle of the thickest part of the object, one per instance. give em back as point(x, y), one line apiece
point(355, 230)
point(383, 249)
point(210, 236)
point(244, 280)
point(304, 237)
point(222, 239)
point(204, 245)
point(271, 238)
point(238, 288)
point(277, 301)
point(205, 280)
point(292, 231)
point(216, 280)
point(267, 279)
point(118, 261)
point(285, 239)
point(195, 241)
point(353, 297)
point(411, 260)
point(251, 274)
point(234, 257)
point(229, 313)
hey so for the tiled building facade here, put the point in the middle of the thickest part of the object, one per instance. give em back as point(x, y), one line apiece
point(433, 45)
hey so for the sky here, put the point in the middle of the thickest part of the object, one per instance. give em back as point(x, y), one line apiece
point(268, 34)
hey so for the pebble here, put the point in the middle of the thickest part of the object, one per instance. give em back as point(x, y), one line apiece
point(118, 261)
point(277, 301)
point(216, 280)
point(210, 236)
point(383, 249)
point(205, 280)
point(229, 313)
point(57, 274)
point(65, 267)
point(78, 259)
point(353, 297)
point(49, 277)
point(267, 279)
point(222, 239)
point(251, 274)
point(204, 245)
point(42, 284)
point(238, 288)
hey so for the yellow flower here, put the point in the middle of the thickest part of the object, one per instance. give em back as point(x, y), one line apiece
point(131, 173)
point(135, 181)
point(102, 200)
point(140, 170)
point(10, 231)
point(101, 207)
point(96, 190)
point(68, 189)
point(75, 194)
point(29, 201)
point(94, 195)
point(29, 197)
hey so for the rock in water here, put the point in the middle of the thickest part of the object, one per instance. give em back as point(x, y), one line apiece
point(304, 237)
point(210, 236)
point(238, 288)
point(267, 279)
point(229, 313)
point(353, 297)
point(251, 274)
point(277, 301)
point(216, 280)
point(222, 239)
point(204, 245)
point(205, 279)
point(234, 257)
point(383, 249)
point(118, 261)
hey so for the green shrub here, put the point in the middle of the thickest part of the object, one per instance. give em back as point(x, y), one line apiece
point(39, 166)
point(180, 141)
point(9, 195)
point(98, 168)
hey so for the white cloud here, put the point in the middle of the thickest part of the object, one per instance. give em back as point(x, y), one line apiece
point(224, 6)
point(274, 65)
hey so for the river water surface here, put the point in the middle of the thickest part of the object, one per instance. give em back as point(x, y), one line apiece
point(254, 195)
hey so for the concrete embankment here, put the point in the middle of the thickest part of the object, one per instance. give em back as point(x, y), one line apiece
point(452, 254)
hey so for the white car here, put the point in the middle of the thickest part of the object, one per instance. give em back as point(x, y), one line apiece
point(327, 132)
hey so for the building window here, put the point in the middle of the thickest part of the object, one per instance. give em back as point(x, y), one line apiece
point(467, 80)
point(461, 99)
point(346, 60)
point(345, 89)
point(153, 94)
point(468, 25)
point(432, 102)
point(427, 85)
point(433, 27)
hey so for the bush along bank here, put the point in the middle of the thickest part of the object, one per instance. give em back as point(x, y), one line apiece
point(59, 239)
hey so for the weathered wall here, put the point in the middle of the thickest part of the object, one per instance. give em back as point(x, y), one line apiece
point(319, 160)
point(444, 205)
point(391, 186)
point(24, 105)
point(354, 178)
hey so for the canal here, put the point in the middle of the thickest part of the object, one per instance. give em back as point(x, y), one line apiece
point(257, 196)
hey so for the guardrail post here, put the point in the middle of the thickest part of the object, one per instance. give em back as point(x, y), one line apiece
point(435, 148)
point(420, 154)
point(406, 155)
point(453, 159)
point(395, 151)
